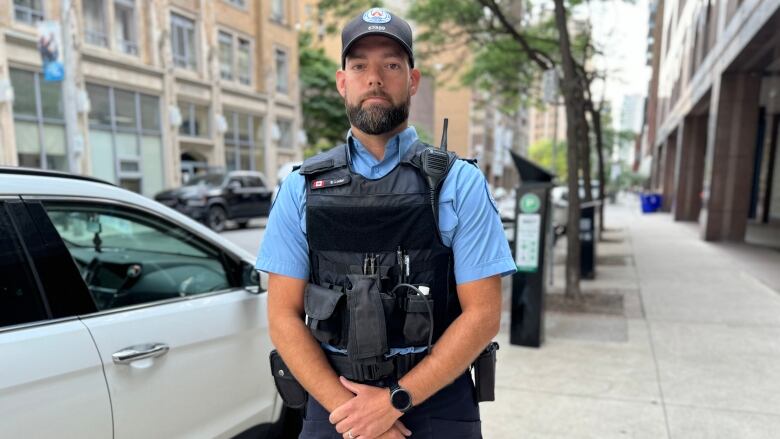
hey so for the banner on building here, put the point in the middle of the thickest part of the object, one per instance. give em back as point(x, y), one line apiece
point(50, 48)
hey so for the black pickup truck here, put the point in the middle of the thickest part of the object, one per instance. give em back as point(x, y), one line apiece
point(217, 198)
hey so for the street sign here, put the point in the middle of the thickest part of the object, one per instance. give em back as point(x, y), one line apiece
point(530, 203)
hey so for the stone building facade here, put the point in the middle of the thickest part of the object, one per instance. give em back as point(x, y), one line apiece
point(164, 89)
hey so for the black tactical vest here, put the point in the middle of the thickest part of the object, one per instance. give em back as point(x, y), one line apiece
point(355, 226)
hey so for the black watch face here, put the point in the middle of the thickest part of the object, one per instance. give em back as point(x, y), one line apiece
point(401, 399)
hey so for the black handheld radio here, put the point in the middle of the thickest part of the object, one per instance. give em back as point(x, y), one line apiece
point(435, 163)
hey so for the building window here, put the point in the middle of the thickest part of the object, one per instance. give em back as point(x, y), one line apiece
point(282, 71)
point(195, 120)
point(125, 27)
point(277, 11)
point(285, 134)
point(38, 121)
point(125, 138)
point(28, 11)
point(225, 55)
point(240, 3)
point(94, 22)
point(183, 42)
point(235, 58)
point(243, 142)
point(244, 61)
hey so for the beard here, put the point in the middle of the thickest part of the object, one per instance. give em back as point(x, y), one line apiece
point(377, 119)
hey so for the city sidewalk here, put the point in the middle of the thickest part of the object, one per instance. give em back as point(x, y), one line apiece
point(686, 345)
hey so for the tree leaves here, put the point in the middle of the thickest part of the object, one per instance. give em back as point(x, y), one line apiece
point(324, 118)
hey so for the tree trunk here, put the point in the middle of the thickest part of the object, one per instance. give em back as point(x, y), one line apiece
point(596, 116)
point(576, 133)
point(587, 184)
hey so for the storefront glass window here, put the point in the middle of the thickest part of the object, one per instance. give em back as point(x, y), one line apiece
point(150, 113)
point(24, 92)
point(241, 142)
point(40, 132)
point(124, 102)
point(195, 120)
point(126, 148)
point(100, 105)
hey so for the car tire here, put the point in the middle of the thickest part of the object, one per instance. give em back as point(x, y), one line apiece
point(217, 218)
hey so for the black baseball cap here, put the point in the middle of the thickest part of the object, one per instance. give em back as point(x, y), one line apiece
point(376, 21)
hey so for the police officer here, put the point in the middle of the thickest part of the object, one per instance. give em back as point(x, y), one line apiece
point(384, 274)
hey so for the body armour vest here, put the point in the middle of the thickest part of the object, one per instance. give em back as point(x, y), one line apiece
point(365, 238)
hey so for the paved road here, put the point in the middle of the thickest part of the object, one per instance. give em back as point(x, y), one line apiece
point(249, 239)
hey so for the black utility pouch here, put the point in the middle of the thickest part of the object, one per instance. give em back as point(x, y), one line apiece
point(485, 373)
point(292, 392)
point(367, 329)
point(322, 306)
point(417, 325)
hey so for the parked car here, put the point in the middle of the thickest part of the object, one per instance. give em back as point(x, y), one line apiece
point(559, 197)
point(282, 173)
point(216, 198)
point(120, 317)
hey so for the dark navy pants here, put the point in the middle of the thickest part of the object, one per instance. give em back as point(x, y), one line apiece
point(452, 413)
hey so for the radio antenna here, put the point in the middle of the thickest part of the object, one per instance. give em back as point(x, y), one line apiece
point(444, 135)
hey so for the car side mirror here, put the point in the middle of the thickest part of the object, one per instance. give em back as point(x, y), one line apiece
point(253, 281)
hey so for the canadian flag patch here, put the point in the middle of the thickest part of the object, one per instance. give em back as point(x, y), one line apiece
point(330, 182)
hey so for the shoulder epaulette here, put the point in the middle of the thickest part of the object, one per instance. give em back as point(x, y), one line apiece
point(325, 161)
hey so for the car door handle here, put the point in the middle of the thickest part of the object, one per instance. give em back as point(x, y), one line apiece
point(140, 352)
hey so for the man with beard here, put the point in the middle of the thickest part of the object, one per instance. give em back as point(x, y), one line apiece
point(384, 285)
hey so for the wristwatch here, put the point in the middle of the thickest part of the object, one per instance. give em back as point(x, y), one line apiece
point(400, 398)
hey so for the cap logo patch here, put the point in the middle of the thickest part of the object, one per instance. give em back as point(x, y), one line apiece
point(376, 16)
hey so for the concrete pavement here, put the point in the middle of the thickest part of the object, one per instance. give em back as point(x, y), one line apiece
point(683, 342)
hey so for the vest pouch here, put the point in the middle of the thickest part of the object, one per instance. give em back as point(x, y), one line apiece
point(292, 392)
point(367, 328)
point(417, 325)
point(322, 306)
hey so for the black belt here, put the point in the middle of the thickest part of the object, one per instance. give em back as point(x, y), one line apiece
point(395, 366)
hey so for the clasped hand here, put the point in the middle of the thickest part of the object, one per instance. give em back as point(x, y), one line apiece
point(368, 415)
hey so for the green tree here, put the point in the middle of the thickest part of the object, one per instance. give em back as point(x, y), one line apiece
point(541, 152)
point(324, 118)
point(509, 52)
point(334, 13)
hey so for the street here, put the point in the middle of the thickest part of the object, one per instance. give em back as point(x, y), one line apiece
point(249, 238)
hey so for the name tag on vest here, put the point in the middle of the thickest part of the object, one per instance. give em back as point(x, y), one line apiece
point(330, 182)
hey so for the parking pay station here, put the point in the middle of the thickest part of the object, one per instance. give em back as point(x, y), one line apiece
point(532, 252)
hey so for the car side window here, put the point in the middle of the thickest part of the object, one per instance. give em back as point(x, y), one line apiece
point(128, 257)
point(236, 180)
point(254, 182)
point(20, 299)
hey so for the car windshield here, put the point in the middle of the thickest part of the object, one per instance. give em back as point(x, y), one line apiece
point(206, 180)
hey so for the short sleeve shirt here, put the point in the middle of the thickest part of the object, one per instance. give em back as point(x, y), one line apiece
point(468, 217)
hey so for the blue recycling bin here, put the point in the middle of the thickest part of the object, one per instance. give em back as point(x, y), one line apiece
point(651, 202)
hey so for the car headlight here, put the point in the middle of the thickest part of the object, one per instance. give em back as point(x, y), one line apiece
point(197, 202)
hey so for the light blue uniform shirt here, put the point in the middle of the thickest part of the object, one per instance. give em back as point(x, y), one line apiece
point(468, 217)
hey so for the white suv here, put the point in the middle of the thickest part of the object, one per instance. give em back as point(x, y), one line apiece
point(120, 317)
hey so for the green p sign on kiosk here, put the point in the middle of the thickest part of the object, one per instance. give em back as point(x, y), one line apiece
point(532, 245)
